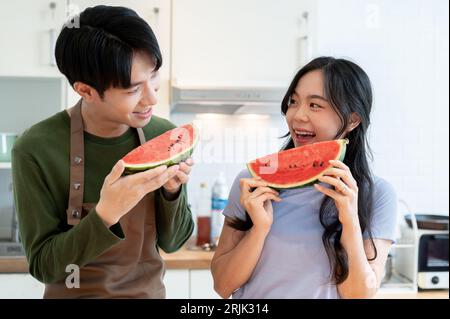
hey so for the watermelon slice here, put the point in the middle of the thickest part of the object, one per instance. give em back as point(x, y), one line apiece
point(297, 167)
point(168, 149)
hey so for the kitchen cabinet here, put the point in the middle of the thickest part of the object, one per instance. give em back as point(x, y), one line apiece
point(27, 34)
point(157, 15)
point(180, 284)
point(202, 284)
point(177, 283)
point(20, 286)
point(189, 284)
point(232, 42)
point(24, 286)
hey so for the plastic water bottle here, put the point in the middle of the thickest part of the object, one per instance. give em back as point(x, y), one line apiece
point(203, 216)
point(219, 200)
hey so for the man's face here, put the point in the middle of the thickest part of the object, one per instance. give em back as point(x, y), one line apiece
point(132, 106)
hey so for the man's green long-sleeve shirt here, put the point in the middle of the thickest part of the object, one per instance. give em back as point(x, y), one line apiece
point(41, 180)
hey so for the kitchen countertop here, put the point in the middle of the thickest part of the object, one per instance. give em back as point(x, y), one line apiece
point(188, 257)
point(185, 258)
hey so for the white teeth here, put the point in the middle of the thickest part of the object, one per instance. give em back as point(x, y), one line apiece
point(305, 133)
point(143, 112)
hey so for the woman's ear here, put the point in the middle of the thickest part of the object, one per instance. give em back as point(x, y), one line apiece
point(354, 122)
point(87, 92)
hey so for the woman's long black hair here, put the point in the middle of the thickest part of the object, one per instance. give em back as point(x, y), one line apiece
point(347, 87)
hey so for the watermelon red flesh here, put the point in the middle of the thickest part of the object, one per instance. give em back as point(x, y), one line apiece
point(298, 166)
point(168, 148)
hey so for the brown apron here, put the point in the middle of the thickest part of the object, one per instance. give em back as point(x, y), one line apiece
point(132, 268)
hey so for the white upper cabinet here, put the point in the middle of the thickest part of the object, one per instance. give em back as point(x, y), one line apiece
point(234, 42)
point(28, 31)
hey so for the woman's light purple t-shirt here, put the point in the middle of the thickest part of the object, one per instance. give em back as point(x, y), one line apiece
point(293, 262)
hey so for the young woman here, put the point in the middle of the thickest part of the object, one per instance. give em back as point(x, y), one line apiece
point(330, 240)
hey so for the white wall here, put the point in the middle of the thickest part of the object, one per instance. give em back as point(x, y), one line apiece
point(28, 100)
point(403, 45)
point(227, 143)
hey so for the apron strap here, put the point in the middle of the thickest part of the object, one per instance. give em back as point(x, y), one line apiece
point(75, 209)
point(141, 135)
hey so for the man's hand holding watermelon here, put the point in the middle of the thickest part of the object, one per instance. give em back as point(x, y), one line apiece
point(120, 194)
point(173, 185)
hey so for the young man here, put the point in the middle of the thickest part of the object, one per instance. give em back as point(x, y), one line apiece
point(88, 231)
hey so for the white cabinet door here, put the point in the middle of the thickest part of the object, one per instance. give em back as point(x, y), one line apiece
point(26, 38)
point(177, 283)
point(157, 15)
point(233, 42)
point(20, 286)
point(202, 285)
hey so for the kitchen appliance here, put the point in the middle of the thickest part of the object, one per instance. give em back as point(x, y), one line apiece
point(10, 244)
point(429, 263)
point(425, 221)
point(227, 100)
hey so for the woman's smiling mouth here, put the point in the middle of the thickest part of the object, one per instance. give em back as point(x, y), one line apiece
point(303, 136)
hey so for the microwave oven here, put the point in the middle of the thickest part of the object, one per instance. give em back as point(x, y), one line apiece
point(428, 265)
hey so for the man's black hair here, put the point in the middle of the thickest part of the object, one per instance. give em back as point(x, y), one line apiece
point(99, 51)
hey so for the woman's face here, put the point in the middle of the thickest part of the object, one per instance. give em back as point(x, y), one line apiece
point(309, 116)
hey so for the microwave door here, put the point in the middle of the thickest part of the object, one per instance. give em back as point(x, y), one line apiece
point(433, 252)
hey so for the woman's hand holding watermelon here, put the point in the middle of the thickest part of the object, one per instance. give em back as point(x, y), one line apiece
point(172, 186)
point(345, 193)
point(120, 194)
point(256, 198)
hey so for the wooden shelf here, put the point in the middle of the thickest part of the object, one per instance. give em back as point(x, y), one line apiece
point(5, 165)
point(403, 246)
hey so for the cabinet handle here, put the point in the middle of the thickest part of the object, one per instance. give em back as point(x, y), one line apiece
point(304, 41)
point(52, 36)
point(156, 17)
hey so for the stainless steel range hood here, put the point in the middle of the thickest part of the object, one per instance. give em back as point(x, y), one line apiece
point(227, 100)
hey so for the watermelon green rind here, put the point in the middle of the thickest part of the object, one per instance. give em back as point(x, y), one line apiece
point(313, 180)
point(134, 168)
